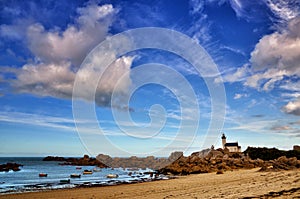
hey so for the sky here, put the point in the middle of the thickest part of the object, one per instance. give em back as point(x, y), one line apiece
point(203, 67)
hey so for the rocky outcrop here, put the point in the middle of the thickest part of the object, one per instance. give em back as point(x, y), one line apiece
point(296, 148)
point(219, 160)
point(281, 163)
point(139, 162)
point(54, 158)
point(84, 161)
point(270, 153)
point(214, 161)
point(10, 166)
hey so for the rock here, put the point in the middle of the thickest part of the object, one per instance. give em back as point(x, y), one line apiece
point(270, 153)
point(214, 154)
point(10, 166)
point(140, 162)
point(201, 154)
point(219, 159)
point(296, 148)
point(220, 172)
point(54, 158)
point(84, 161)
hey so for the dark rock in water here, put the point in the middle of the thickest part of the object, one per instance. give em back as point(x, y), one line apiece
point(85, 161)
point(10, 166)
point(54, 158)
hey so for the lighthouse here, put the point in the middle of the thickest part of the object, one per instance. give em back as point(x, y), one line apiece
point(231, 146)
point(223, 140)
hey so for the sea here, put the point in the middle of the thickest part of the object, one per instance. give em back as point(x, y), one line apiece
point(28, 180)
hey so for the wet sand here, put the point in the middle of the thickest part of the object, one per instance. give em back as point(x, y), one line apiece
point(231, 184)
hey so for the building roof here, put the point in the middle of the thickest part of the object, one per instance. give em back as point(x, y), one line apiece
point(232, 144)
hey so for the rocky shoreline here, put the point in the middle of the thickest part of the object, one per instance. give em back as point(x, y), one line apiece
point(205, 161)
point(220, 160)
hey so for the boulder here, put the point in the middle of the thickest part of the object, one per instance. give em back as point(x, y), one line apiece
point(10, 166)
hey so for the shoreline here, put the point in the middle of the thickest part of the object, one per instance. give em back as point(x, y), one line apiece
point(231, 184)
point(84, 185)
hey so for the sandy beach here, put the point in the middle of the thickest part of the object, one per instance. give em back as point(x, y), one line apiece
point(231, 184)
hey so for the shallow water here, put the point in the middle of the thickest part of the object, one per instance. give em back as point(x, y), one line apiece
point(28, 178)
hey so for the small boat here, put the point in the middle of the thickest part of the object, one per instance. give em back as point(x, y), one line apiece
point(112, 175)
point(74, 175)
point(96, 169)
point(64, 181)
point(43, 175)
point(78, 168)
point(86, 172)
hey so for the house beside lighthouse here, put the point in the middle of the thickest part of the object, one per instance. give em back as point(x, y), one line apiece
point(231, 146)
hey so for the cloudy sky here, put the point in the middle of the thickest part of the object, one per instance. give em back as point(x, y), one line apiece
point(254, 44)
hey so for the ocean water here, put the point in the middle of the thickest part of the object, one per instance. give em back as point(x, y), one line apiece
point(28, 178)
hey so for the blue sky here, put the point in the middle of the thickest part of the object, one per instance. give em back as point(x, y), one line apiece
point(254, 44)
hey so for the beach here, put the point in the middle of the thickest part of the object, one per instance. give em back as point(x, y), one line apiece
point(231, 184)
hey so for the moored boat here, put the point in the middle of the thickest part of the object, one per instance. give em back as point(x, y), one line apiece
point(86, 172)
point(43, 175)
point(96, 169)
point(112, 175)
point(78, 168)
point(74, 175)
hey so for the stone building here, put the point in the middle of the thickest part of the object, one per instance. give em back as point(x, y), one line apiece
point(231, 146)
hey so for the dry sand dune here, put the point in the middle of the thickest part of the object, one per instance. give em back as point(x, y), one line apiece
point(232, 184)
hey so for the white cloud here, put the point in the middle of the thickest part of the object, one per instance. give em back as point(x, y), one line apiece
point(199, 31)
point(239, 75)
point(239, 95)
point(293, 107)
point(265, 80)
point(15, 31)
point(291, 86)
point(290, 95)
point(279, 50)
point(235, 50)
point(38, 120)
point(285, 10)
point(72, 44)
point(45, 79)
point(57, 80)
point(275, 56)
point(59, 53)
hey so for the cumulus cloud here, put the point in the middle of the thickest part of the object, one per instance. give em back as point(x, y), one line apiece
point(91, 27)
point(293, 107)
point(45, 79)
point(275, 57)
point(279, 50)
point(59, 53)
